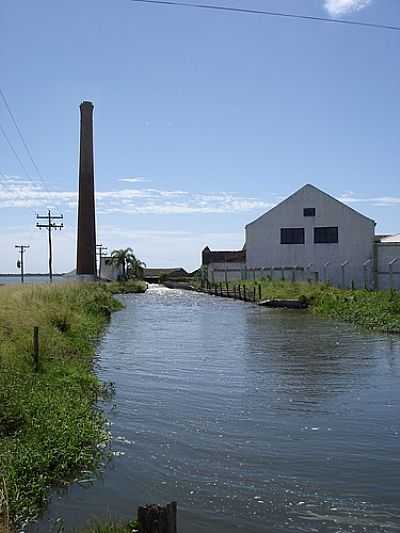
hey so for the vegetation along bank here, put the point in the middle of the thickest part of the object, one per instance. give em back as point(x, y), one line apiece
point(374, 310)
point(50, 429)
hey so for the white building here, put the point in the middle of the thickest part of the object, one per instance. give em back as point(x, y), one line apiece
point(313, 236)
point(109, 271)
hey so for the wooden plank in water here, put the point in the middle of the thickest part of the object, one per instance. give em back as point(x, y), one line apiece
point(285, 304)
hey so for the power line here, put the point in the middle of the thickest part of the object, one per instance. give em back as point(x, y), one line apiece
point(15, 152)
point(270, 14)
point(28, 150)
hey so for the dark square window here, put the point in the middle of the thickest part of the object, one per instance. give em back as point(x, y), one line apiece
point(309, 211)
point(326, 235)
point(292, 235)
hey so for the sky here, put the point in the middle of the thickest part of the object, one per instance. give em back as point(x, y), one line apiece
point(203, 120)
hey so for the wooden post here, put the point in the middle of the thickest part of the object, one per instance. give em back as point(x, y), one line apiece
point(220, 289)
point(244, 292)
point(227, 289)
point(254, 293)
point(157, 519)
point(259, 291)
point(240, 295)
point(35, 354)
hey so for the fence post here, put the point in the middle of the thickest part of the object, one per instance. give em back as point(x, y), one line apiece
point(365, 267)
point(294, 274)
point(391, 263)
point(244, 293)
point(308, 269)
point(227, 289)
point(342, 266)
point(259, 291)
point(154, 518)
point(254, 293)
point(35, 354)
point(326, 271)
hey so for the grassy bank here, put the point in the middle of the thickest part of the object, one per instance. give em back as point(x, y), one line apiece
point(111, 527)
point(378, 310)
point(50, 431)
point(131, 286)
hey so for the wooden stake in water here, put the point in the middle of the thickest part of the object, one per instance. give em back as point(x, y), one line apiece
point(157, 519)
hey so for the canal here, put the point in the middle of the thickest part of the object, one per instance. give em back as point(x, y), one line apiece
point(251, 419)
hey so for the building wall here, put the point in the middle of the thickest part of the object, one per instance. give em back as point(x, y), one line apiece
point(385, 253)
point(109, 271)
point(356, 238)
point(216, 272)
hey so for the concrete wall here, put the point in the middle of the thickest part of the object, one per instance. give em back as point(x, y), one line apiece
point(356, 238)
point(216, 272)
point(385, 253)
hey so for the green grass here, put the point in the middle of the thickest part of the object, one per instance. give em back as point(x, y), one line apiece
point(127, 287)
point(374, 310)
point(50, 430)
point(111, 527)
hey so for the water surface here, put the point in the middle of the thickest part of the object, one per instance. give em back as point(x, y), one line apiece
point(252, 419)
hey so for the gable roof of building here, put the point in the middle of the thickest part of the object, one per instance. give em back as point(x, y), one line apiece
point(150, 272)
point(313, 188)
point(388, 238)
point(223, 256)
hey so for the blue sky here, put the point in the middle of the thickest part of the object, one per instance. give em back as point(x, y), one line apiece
point(203, 120)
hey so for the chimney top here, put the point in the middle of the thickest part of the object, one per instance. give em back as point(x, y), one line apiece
point(86, 104)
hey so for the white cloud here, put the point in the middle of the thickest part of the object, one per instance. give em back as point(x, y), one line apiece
point(342, 7)
point(24, 194)
point(377, 201)
point(133, 180)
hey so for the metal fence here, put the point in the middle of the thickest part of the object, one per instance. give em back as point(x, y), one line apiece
point(344, 274)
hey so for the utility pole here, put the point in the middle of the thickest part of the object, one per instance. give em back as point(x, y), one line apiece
point(50, 225)
point(20, 263)
point(100, 250)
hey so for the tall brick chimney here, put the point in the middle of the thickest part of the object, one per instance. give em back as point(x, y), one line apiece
point(86, 256)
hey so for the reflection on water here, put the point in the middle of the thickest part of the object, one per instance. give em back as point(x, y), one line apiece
point(252, 419)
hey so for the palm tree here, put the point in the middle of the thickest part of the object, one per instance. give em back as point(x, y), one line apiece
point(126, 259)
point(135, 267)
point(122, 258)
